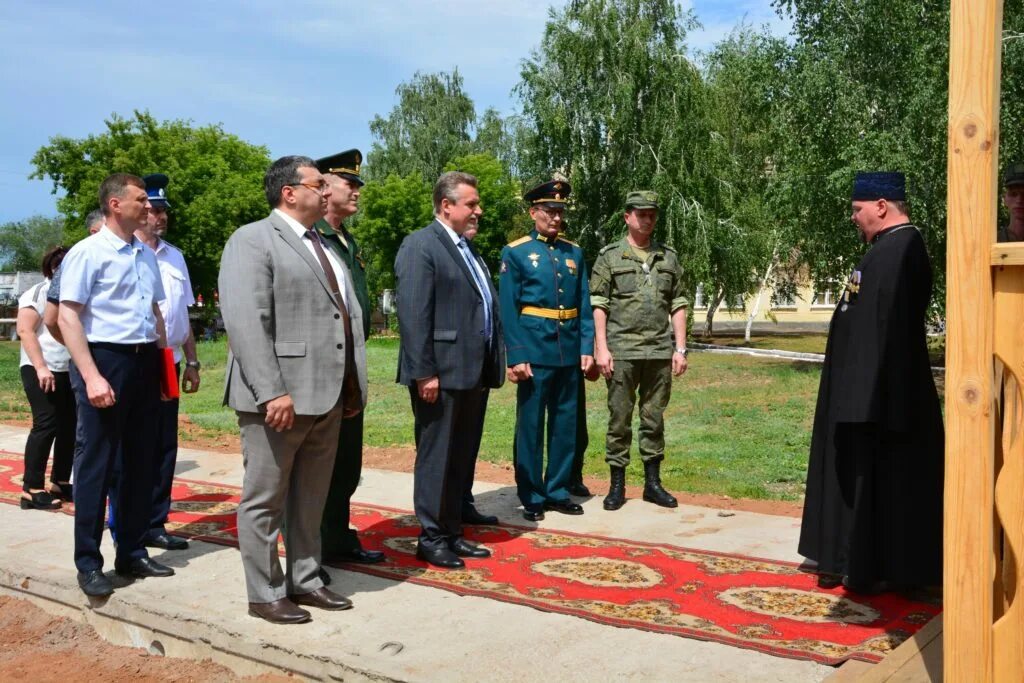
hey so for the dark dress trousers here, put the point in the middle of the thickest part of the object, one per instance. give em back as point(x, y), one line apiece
point(443, 333)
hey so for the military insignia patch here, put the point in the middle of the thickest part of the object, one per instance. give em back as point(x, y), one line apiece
point(534, 259)
point(504, 267)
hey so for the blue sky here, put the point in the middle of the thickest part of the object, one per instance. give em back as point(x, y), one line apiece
point(302, 77)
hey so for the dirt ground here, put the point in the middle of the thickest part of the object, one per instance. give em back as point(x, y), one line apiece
point(36, 646)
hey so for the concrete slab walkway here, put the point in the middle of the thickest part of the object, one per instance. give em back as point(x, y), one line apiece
point(397, 631)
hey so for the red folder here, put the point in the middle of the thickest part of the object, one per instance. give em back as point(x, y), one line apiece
point(168, 374)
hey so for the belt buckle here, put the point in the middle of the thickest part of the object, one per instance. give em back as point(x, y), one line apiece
point(563, 314)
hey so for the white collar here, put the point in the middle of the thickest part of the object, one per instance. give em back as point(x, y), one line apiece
point(456, 237)
point(300, 230)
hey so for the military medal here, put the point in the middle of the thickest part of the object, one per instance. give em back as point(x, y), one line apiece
point(534, 259)
point(571, 265)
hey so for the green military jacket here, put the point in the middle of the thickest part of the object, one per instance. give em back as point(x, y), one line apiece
point(639, 299)
point(349, 253)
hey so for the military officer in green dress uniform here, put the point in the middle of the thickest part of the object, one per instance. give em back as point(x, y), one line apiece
point(639, 307)
point(339, 542)
point(549, 336)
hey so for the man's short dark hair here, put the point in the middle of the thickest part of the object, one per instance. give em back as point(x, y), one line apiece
point(447, 184)
point(94, 216)
point(114, 185)
point(900, 205)
point(284, 172)
point(52, 259)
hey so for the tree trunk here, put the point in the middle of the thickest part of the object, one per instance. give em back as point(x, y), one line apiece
point(760, 292)
point(709, 321)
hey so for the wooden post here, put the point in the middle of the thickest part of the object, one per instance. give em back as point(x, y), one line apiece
point(974, 76)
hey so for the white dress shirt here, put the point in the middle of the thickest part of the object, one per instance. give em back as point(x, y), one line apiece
point(178, 288)
point(117, 283)
point(300, 232)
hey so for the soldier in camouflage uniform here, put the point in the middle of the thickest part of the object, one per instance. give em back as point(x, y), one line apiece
point(636, 291)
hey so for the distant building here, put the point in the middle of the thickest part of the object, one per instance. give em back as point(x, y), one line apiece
point(805, 309)
point(13, 285)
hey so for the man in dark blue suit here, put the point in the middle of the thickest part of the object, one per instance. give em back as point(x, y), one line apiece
point(451, 350)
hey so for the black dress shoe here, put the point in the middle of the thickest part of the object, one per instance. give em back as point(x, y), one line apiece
point(323, 599)
point(464, 548)
point(566, 507)
point(471, 515)
point(282, 611)
point(143, 567)
point(324, 576)
point(40, 500)
point(532, 515)
point(94, 583)
point(358, 556)
point(579, 490)
point(166, 541)
point(440, 557)
point(829, 580)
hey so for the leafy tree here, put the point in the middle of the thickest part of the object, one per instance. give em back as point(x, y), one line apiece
point(23, 243)
point(216, 180)
point(389, 209)
point(428, 127)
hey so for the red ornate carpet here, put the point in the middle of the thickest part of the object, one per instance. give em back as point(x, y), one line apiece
point(746, 602)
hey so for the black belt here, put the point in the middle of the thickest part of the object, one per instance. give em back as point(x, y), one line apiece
point(124, 348)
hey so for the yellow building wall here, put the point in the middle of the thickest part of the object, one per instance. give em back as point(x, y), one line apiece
point(803, 310)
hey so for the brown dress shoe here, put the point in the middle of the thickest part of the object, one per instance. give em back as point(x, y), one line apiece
point(322, 598)
point(281, 611)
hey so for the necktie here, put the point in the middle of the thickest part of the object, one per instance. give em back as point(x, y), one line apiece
point(350, 384)
point(485, 291)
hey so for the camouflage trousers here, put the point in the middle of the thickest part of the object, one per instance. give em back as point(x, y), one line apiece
point(653, 380)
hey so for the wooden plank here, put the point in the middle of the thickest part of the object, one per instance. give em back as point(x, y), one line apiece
point(917, 660)
point(974, 74)
point(1008, 345)
point(1008, 254)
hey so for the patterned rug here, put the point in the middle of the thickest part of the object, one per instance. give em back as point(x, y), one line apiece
point(763, 605)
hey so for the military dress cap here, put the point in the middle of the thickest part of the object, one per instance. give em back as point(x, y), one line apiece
point(1014, 175)
point(345, 164)
point(642, 199)
point(868, 186)
point(552, 194)
point(156, 188)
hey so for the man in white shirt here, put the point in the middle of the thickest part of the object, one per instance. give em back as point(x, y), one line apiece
point(113, 329)
point(178, 288)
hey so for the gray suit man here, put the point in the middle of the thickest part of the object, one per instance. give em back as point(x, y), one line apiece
point(297, 365)
point(451, 350)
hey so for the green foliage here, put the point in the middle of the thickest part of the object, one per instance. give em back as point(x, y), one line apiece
point(389, 209)
point(216, 181)
point(23, 243)
point(428, 127)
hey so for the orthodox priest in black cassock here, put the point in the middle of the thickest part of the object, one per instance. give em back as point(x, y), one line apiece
point(873, 506)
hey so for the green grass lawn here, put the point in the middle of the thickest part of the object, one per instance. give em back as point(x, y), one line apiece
point(737, 426)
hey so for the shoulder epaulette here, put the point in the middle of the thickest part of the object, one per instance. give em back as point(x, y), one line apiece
point(606, 248)
point(521, 240)
point(666, 247)
point(562, 239)
point(172, 246)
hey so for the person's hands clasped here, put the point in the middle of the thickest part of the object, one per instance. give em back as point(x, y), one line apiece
point(429, 388)
point(519, 373)
point(47, 382)
point(280, 413)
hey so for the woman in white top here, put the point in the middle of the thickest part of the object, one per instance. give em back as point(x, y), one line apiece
point(44, 374)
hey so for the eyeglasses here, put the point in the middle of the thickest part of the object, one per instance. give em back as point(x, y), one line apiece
point(319, 188)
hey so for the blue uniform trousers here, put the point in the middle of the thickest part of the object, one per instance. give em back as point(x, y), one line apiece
point(128, 426)
point(547, 398)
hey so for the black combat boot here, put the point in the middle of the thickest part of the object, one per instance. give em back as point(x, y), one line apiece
point(616, 497)
point(653, 491)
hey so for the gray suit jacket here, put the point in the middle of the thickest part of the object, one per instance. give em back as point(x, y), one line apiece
point(284, 327)
point(441, 315)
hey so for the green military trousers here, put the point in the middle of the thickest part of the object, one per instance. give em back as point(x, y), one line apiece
point(653, 379)
point(547, 399)
point(335, 535)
